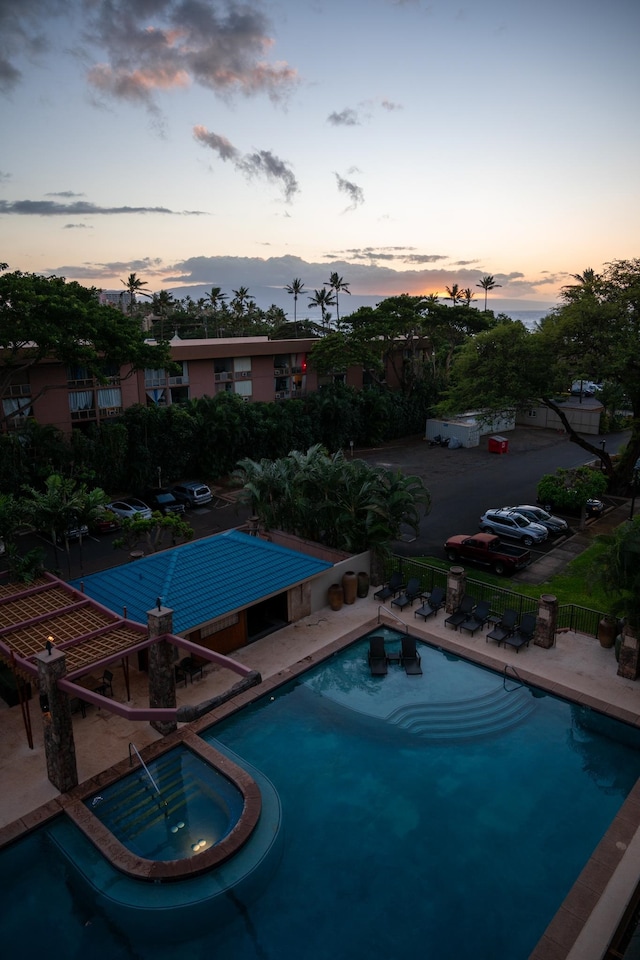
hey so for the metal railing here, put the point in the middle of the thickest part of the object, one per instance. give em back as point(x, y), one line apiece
point(395, 616)
point(570, 615)
point(133, 749)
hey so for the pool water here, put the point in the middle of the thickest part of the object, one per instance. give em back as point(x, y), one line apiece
point(422, 816)
point(193, 808)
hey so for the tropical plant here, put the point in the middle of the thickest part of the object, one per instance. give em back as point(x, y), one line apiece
point(322, 298)
point(455, 294)
point(617, 569)
point(487, 283)
point(296, 287)
point(338, 285)
point(134, 286)
point(341, 502)
point(54, 510)
point(159, 532)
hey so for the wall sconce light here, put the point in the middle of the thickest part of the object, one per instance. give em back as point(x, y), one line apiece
point(44, 704)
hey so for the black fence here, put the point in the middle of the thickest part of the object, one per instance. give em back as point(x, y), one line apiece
point(570, 616)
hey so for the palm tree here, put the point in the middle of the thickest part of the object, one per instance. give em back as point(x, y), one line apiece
point(55, 510)
point(322, 298)
point(162, 303)
point(296, 287)
point(90, 507)
point(487, 283)
point(338, 285)
point(468, 296)
point(455, 294)
point(134, 285)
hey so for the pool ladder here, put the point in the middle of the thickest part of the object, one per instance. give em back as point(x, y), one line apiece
point(133, 749)
point(394, 615)
point(507, 667)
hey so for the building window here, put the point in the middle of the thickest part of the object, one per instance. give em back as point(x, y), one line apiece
point(242, 368)
point(16, 410)
point(109, 401)
point(155, 378)
point(244, 388)
point(183, 378)
point(222, 370)
point(82, 405)
point(78, 376)
point(532, 414)
point(281, 364)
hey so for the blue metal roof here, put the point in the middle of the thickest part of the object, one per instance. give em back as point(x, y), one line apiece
point(202, 580)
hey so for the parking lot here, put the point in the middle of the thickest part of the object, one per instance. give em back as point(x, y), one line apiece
point(463, 483)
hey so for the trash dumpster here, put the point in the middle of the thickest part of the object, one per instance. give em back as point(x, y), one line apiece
point(498, 445)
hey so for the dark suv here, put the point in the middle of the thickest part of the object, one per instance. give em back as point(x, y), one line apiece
point(162, 499)
point(192, 493)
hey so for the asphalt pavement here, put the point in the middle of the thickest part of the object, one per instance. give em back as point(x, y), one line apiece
point(463, 483)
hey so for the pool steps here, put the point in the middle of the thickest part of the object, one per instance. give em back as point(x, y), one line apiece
point(482, 716)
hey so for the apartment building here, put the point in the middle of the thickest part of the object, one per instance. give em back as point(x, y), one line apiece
point(254, 368)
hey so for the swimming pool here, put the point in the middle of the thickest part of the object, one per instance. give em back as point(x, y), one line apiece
point(444, 815)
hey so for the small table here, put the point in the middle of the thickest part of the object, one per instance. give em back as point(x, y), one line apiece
point(394, 656)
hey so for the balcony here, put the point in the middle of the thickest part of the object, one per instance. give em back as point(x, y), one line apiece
point(222, 377)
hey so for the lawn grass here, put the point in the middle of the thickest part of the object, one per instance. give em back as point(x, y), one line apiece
point(574, 585)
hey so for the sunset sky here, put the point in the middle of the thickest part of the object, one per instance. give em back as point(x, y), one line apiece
point(406, 144)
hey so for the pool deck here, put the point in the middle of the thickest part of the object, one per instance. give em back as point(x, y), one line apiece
point(576, 667)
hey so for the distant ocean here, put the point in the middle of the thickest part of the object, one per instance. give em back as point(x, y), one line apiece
point(528, 317)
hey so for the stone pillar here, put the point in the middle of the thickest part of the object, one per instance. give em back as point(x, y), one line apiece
point(162, 675)
point(547, 621)
point(456, 587)
point(629, 661)
point(59, 745)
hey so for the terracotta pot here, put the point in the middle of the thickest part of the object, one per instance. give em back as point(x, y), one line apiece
point(350, 586)
point(363, 584)
point(336, 596)
point(607, 630)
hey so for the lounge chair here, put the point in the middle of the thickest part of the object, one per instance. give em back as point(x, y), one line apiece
point(478, 618)
point(504, 627)
point(462, 613)
point(409, 657)
point(377, 656)
point(523, 634)
point(432, 604)
point(411, 593)
point(393, 587)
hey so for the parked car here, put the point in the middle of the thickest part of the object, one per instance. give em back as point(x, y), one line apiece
point(130, 508)
point(487, 550)
point(593, 508)
point(586, 388)
point(162, 499)
point(192, 493)
point(507, 523)
point(556, 526)
point(105, 521)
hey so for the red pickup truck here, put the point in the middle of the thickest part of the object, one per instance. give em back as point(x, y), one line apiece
point(487, 550)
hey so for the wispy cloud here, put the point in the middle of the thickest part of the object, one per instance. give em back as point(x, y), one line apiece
point(49, 208)
point(345, 118)
point(352, 190)
point(260, 163)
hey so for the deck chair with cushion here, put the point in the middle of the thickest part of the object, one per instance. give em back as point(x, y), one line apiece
point(504, 627)
point(432, 604)
point(393, 587)
point(410, 595)
point(462, 613)
point(377, 656)
point(478, 618)
point(523, 634)
point(409, 656)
